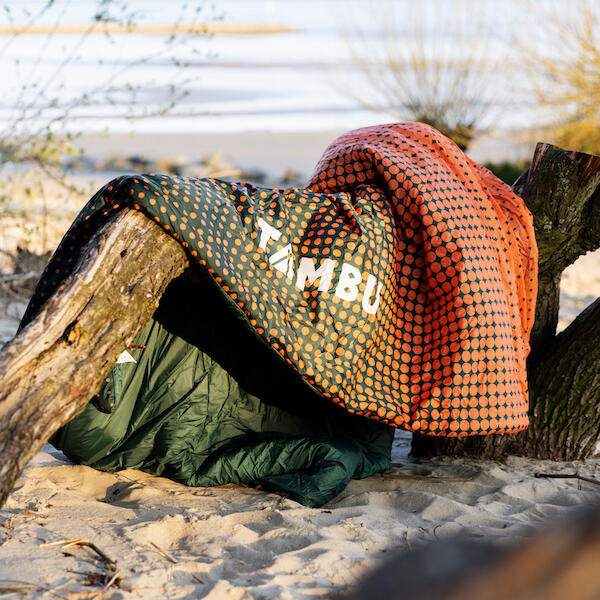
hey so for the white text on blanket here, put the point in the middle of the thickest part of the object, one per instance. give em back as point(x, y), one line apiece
point(350, 277)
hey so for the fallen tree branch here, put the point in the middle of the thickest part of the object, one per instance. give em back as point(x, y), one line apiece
point(567, 476)
point(51, 369)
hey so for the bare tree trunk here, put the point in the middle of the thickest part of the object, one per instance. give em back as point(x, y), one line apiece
point(562, 191)
point(49, 369)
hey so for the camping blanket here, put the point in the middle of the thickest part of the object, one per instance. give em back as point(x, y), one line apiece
point(400, 284)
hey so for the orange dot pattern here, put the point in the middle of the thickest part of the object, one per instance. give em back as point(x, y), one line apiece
point(452, 246)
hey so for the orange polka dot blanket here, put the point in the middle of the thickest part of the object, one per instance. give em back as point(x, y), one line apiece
point(400, 283)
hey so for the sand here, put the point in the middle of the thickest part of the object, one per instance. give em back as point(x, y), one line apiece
point(170, 541)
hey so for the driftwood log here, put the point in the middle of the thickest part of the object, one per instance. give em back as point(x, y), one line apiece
point(562, 190)
point(49, 370)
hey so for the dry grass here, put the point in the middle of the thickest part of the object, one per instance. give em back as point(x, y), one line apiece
point(439, 80)
point(561, 52)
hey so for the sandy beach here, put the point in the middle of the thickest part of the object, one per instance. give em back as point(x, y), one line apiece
point(170, 541)
point(164, 540)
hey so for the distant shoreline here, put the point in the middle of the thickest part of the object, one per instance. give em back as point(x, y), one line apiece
point(115, 28)
point(275, 151)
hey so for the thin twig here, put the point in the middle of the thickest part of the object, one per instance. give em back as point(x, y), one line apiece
point(163, 553)
point(112, 580)
point(81, 542)
point(567, 476)
point(172, 560)
point(110, 577)
point(20, 586)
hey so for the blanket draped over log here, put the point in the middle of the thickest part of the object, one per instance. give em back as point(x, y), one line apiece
point(400, 284)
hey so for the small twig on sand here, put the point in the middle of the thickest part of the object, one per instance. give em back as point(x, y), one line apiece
point(111, 575)
point(81, 542)
point(171, 559)
point(163, 553)
point(17, 586)
point(567, 476)
point(112, 580)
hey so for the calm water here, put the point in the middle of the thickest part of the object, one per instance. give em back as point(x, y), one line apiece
point(299, 81)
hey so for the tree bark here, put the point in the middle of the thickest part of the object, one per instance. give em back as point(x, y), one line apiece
point(50, 368)
point(562, 191)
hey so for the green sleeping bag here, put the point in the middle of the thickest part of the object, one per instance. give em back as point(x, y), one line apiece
point(173, 410)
